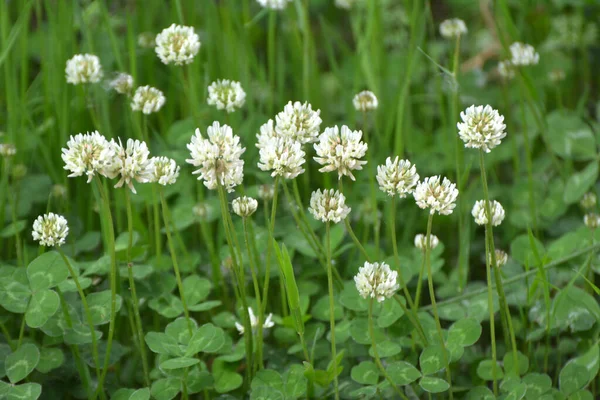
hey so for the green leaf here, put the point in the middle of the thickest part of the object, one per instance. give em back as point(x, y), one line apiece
point(14, 295)
point(509, 363)
point(320, 310)
point(480, 393)
point(179, 330)
point(365, 373)
point(390, 313)
point(162, 343)
point(267, 378)
point(80, 334)
point(42, 306)
point(165, 389)
point(484, 370)
point(433, 385)
point(205, 306)
point(47, 271)
point(402, 373)
point(572, 378)
point(19, 364)
point(196, 289)
point(50, 358)
point(100, 305)
point(580, 182)
point(208, 339)
point(294, 382)
point(569, 136)
point(226, 381)
point(350, 298)
point(140, 394)
point(26, 391)
point(387, 348)
point(122, 394)
point(199, 380)
point(590, 360)
point(464, 332)
point(432, 359)
point(168, 306)
point(13, 228)
point(537, 384)
point(177, 363)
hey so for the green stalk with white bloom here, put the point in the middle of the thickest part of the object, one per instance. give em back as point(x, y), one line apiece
point(331, 309)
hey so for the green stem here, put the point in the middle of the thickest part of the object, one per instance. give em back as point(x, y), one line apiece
point(271, 227)
point(397, 256)
point(529, 166)
point(491, 314)
point(420, 282)
point(259, 344)
point(331, 309)
point(271, 57)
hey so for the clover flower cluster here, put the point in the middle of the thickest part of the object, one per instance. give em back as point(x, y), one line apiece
point(83, 68)
point(421, 241)
point(397, 177)
point(50, 230)
point(376, 281)
point(365, 101)
point(274, 4)
point(480, 215)
point(244, 206)
point(482, 127)
point(177, 45)
point(452, 28)
point(226, 95)
point(328, 206)
point(254, 322)
point(437, 195)
point(147, 100)
point(340, 150)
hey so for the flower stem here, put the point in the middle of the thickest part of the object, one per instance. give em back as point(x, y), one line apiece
point(433, 303)
point(397, 257)
point(420, 282)
point(259, 344)
point(331, 309)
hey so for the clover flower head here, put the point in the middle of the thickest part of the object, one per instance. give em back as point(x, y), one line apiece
point(133, 164)
point(397, 177)
point(7, 150)
point(266, 134)
point(226, 95)
point(452, 28)
point(177, 45)
point(299, 121)
point(146, 40)
point(83, 68)
point(480, 215)
point(436, 194)
point(147, 100)
point(328, 206)
point(482, 127)
point(588, 200)
point(50, 230)
point(163, 170)
point(365, 101)
point(376, 281)
point(523, 54)
point(254, 322)
point(421, 241)
point(591, 220)
point(266, 191)
point(501, 258)
point(506, 69)
point(341, 151)
point(88, 154)
point(122, 83)
point(201, 210)
point(283, 157)
point(244, 206)
point(274, 4)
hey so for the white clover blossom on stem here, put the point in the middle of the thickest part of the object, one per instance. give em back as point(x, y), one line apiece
point(146, 40)
point(177, 45)
point(266, 192)
point(83, 68)
point(266, 134)
point(452, 28)
point(591, 220)
point(218, 157)
point(501, 258)
point(274, 4)
point(133, 163)
point(506, 69)
point(365, 101)
point(341, 151)
point(283, 157)
point(421, 241)
point(299, 121)
point(345, 4)
point(482, 127)
point(201, 210)
point(147, 100)
point(254, 322)
point(437, 195)
point(588, 200)
point(523, 54)
point(7, 150)
point(122, 83)
point(376, 281)
point(89, 154)
point(397, 177)
point(163, 170)
point(50, 230)
point(328, 206)
point(226, 95)
point(479, 213)
point(244, 206)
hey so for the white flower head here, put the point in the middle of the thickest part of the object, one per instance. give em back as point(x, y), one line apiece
point(83, 68)
point(177, 45)
point(266, 191)
point(501, 258)
point(201, 210)
point(506, 69)
point(244, 206)
point(421, 241)
point(163, 170)
point(376, 281)
point(122, 83)
point(341, 151)
point(437, 195)
point(283, 156)
point(523, 54)
point(299, 121)
point(146, 40)
point(397, 177)
point(588, 200)
point(591, 220)
point(133, 164)
point(482, 127)
point(266, 134)
point(452, 28)
point(147, 100)
point(328, 206)
point(50, 230)
point(254, 322)
point(218, 157)
point(480, 214)
point(7, 150)
point(226, 95)
point(345, 4)
point(274, 4)
point(365, 101)
point(89, 154)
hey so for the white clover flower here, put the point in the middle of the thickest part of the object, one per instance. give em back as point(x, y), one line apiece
point(226, 95)
point(298, 121)
point(452, 28)
point(201, 210)
point(345, 4)
point(365, 101)
point(588, 200)
point(244, 206)
point(163, 170)
point(523, 54)
point(254, 322)
point(266, 192)
point(283, 156)
point(274, 4)
point(376, 281)
point(122, 83)
point(7, 150)
point(89, 154)
point(147, 100)
point(177, 45)
point(556, 75)
point(328, 206)
point(83, 68)
point(341, 151)
point(482, 127)
point(501, 258)
point(437, 195)
point(421, 241)
point(218, 157)
point(146, 40)
point(132, 164)
point(266, 134)
point(480, 215)
point(591, 220)
point(506, 69)
point(397, 177)
point(50, 230)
